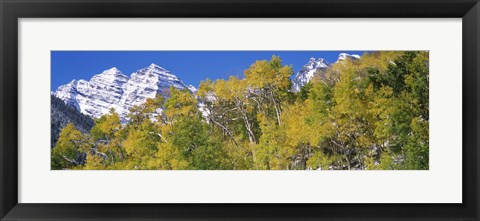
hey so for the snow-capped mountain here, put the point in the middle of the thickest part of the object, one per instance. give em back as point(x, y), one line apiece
point(192, 88)
point(147, 83)
point(95, 97)
point(306, 73)
point(112, 89)
point(308, 70)
point(344, 56)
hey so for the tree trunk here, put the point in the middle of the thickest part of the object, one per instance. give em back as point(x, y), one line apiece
point(251, 135)
point(277, 109)
point(348, 162)
point(70, 160)
point(226, 130)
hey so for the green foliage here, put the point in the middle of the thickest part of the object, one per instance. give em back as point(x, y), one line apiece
point(371, 113)
point(304, 91)
point(69, 148)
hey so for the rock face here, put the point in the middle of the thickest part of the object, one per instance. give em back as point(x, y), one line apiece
point(307, 72)
point(113, 89)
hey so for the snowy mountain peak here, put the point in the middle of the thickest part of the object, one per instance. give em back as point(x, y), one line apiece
point(192, 89)
point(307, 72)
point(153, 65)
point(112, 71)
point(156, 68)
point(344, 56)
point(112, 89)
point(110, 76)
point(115, 69)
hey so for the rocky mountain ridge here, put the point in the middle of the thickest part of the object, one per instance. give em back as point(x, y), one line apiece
point(313, 66)
point(112, 89)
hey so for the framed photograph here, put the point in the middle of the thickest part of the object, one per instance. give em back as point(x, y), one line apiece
point(228, 110)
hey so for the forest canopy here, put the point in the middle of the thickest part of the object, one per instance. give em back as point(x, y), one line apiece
point(370, 113)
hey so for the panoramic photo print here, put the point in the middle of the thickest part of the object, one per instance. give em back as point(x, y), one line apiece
point(239, 110)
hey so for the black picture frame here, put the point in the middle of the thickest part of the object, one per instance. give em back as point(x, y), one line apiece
point(12, 10)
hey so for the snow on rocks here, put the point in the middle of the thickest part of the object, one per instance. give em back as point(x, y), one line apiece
point(307, 72)
point(113, 89)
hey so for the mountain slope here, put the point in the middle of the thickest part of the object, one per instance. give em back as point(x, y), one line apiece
point(147, 83)
point(61, 115)
point(307, 72)
point(95, 97)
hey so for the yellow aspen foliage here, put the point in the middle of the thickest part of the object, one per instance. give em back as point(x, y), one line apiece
point(366, 113)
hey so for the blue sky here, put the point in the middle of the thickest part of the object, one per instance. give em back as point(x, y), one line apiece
point(190, 66)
